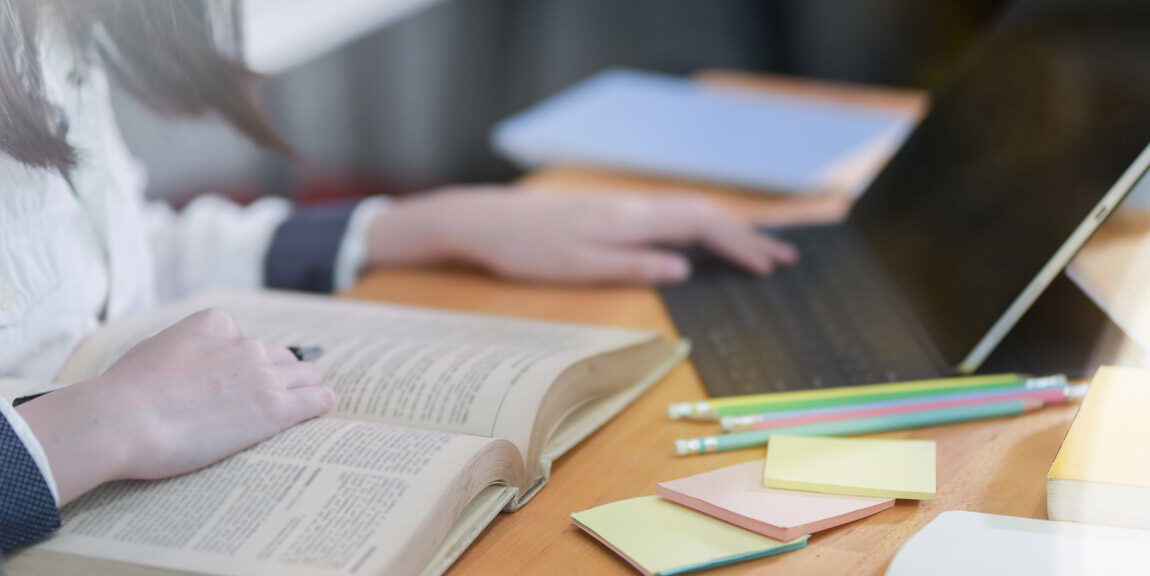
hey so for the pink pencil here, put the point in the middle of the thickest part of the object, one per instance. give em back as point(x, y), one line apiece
point(1047, 396)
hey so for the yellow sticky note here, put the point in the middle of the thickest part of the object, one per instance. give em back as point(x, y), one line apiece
point(852, 466)
point(661, 537)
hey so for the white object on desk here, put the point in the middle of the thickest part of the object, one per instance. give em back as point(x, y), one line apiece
point(280, 34)
point(989, 545)
point(671, 126)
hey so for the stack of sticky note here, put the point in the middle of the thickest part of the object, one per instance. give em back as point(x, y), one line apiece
point(760, 508)
point(852, 466)
point(812, 479)
point(736, 495)
point(659, 537)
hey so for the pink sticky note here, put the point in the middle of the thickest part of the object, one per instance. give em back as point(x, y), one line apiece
point(736, 495)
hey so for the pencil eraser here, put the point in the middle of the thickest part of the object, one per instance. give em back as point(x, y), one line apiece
point(733, 423)
point(683, 447)
point(679, 410)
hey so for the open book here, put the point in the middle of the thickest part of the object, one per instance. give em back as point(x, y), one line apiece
point(442, 420)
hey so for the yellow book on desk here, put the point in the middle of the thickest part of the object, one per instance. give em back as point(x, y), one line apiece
point(442, 420)
point(1102, 472)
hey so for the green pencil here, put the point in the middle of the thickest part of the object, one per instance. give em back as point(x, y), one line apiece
point(715, 408)
point(739, 440)
point(731, 423)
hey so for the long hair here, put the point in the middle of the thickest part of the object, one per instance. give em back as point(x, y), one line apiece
point(178, 57)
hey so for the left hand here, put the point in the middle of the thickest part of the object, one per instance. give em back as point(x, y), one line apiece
point(567, 238)
point(189, 396)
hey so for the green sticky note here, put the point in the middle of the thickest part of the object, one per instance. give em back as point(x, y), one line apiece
point(852, 466)
point(659, 537)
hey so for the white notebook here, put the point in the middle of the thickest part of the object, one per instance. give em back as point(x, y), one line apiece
point(967, 543)
point(671, 126)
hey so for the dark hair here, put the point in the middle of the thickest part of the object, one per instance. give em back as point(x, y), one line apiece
point(179, 57)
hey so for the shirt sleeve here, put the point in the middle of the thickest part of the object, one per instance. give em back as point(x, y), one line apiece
point(214, 242)
point(321, 249)
point(28, 497)
point(352, 256)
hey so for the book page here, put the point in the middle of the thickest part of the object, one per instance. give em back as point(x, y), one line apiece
point(327, 497)
point(441, 370)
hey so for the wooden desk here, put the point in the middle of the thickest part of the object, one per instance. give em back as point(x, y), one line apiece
point(994, 466)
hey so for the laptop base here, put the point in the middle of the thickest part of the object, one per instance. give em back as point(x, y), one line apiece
point(1063, 332)
point(828, 322)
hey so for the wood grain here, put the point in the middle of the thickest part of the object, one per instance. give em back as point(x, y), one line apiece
point(996, 466)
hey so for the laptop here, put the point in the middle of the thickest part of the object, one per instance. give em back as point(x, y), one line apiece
point(1035, 139)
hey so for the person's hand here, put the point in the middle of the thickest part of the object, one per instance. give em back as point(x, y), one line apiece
point(181, 400)
point(568, 238)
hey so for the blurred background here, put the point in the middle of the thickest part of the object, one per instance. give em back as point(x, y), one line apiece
point(395, 96)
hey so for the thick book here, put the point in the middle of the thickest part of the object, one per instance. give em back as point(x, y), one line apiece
point(442, 421)
point(1102, 474)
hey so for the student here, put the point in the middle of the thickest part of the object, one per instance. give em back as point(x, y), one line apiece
point(79, 246)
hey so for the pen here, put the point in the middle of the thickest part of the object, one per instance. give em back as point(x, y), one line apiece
point(306, 353)
point(715, 408)
point(1049, 394)
point(738, 440)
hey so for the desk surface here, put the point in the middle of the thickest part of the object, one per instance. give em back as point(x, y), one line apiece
point(994, 466)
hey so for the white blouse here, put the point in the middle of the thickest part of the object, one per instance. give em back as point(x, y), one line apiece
point(75, 254)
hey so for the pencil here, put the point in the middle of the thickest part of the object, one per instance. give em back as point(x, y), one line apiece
point(715, 408)
point(1047, 397)
point(739, 440)
point(1056, 393)
point(306, 353)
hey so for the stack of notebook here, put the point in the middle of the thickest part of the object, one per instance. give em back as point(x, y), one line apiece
point(763, 507)
point(669, 126)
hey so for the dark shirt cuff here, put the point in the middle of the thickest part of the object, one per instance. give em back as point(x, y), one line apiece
point(27, 509)
point(304, 249)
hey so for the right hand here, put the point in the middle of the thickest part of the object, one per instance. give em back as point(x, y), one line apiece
point(181, 400)
point(603, 238)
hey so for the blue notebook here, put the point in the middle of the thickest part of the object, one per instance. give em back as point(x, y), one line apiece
point(671, 126)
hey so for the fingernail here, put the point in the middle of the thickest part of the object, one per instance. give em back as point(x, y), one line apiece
point(790, 254)
point(674, 271)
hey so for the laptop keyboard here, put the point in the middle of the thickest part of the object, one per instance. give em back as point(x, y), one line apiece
point(825, 322)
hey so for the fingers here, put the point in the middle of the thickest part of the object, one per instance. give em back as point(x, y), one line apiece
point(275, 398)
point(297, 374)
point(222, 328)
point(629, 266)
point(744, 246)
point(213, 322)
point(279, 354)
point(687, 219)
point(307, 402)
point(304, 394)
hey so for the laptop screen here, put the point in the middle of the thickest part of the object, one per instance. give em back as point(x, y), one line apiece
point(1033, 139)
